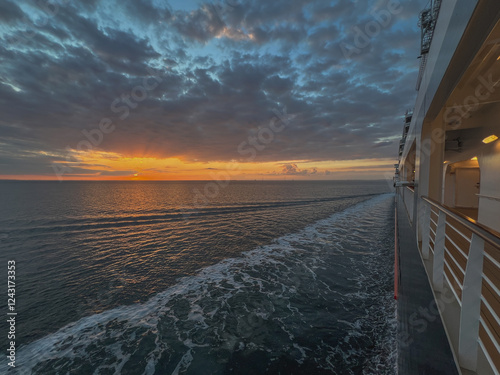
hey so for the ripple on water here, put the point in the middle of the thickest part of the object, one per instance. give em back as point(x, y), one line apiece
point(319, 300)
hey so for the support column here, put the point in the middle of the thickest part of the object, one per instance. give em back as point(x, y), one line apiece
point(471, 305)
point(438, 262)
point(426, 228)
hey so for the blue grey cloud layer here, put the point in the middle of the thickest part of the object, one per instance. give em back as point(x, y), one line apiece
point(223, 68)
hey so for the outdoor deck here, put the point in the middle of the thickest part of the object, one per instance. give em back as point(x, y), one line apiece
point(423, 347)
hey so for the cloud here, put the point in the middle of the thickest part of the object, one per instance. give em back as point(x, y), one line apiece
point(200, 25)
point(224, 69)
point(10, 12)
point(293, 170)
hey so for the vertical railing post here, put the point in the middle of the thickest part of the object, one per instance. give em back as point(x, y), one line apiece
point(403, 195)
point(426, 230)
point(412, 205)
point(471, 305)
point(438, 261)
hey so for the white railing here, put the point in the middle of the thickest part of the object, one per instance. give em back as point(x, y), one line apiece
point(466, 255)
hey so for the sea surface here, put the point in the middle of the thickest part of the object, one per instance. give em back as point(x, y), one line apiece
point(285, 277)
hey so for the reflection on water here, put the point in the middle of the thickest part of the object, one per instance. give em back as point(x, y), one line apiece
point(85, 248)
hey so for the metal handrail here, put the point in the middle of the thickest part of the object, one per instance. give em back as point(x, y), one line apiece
point(487, 234)
point(488, 197)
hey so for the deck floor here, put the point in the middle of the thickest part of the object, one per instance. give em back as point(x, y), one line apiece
point(423, 347)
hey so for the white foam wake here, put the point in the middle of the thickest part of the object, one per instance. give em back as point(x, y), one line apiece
point(124, 324)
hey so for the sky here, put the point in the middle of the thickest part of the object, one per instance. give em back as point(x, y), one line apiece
point(195, 90)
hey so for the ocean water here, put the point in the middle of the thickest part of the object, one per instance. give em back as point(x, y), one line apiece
point(258, 277)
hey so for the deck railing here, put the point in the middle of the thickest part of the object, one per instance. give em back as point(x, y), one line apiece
point(466, 255)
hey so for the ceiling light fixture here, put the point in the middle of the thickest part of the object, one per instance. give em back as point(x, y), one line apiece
point(490, 138)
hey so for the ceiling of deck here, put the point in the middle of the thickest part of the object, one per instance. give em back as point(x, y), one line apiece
point(477, 94)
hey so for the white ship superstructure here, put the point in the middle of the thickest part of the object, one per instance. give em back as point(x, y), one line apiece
point(449, 174)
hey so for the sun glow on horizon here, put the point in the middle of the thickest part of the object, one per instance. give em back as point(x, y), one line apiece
point(101, 165)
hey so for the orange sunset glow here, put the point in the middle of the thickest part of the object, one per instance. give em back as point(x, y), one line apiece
point(123, 168)
point(188, 98)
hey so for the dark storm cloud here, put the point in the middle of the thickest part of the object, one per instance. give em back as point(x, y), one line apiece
point(144, 10)
point(105, 42)
point(10, 12)
point(201, 25)
point(224, 67)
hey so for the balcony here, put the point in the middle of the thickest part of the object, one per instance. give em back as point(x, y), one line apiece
point(463, 257)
